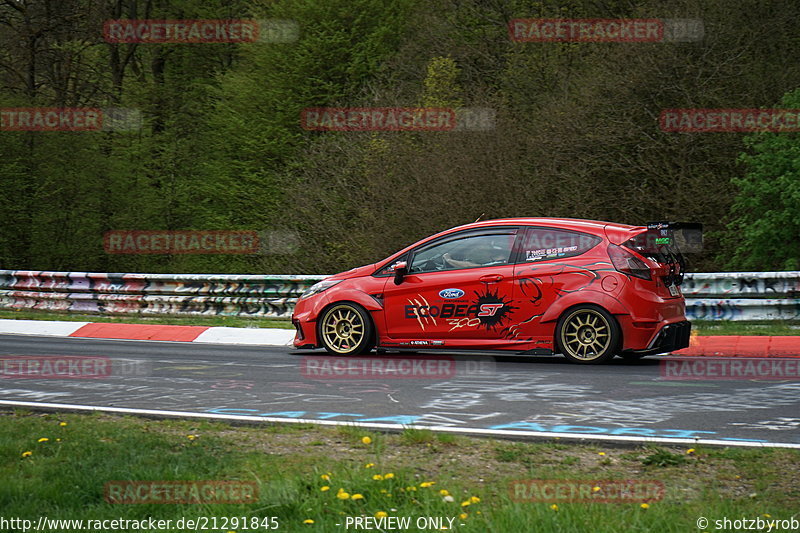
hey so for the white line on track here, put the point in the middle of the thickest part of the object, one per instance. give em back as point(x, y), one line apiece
point(399, 427)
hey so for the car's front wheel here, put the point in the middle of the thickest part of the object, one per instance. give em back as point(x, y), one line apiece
point(346, 329)
point(587, 334)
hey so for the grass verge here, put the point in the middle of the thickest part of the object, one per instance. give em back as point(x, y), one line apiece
point(325, 475)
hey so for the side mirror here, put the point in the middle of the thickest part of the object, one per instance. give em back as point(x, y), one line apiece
point(400, 270)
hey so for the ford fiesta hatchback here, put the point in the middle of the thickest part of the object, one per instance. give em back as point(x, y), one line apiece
point(586, 289)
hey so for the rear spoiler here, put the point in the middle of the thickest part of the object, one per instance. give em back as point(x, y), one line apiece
point(678, 237)
point(667, 242)
point(655, 237)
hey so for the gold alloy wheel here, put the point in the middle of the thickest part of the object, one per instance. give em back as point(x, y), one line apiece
point(342, 329)
point(586, 334)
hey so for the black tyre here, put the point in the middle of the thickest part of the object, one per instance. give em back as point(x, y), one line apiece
point(587, 334)
point(346, 329)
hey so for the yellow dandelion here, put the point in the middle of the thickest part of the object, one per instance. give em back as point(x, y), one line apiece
point(737, 477)
point(58, 440)
point(411, 488)
point(308, 521)
point(369, 465)
point(343, 495)
point(690, 451)
point(326, 488)
point(325, 477)
point(377, 477)
point(43, 439)
point(465, 503)
point(463, 516)
point(63, 424)
point(191, 437)
point(766, 515)
point(601, 453)
point(444, 492)
point(381, 514)
point(554, 507)
point(645, 506)
point(474, 499)
point(388, 476)
point(426, 484)
point(366, 440)
point(357, 497)
point(27, 454)
point(595, 489)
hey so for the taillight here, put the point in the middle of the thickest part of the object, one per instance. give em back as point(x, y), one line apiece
point(627, 263)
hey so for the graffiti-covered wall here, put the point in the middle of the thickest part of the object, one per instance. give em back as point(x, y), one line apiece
point(168, 294)
point(742, 296)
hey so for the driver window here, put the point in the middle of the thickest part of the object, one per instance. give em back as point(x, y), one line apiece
point(469, 252)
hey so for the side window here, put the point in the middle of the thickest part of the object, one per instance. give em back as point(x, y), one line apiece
point(468, 252)
point(542, 244)
point(388, 270)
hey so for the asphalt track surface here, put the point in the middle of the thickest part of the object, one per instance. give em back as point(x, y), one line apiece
point(509, 397)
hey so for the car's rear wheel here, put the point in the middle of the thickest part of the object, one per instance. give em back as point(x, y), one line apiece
point(587, 334)
point(346, 329)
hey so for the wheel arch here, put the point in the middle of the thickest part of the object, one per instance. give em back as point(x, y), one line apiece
point(620, 341)
point(592, 304)
point(600, 299)
point(374, 330)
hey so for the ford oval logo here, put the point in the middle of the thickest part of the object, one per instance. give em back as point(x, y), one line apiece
point(451, 294)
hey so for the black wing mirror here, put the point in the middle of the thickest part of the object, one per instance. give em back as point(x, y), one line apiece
point(400, 270)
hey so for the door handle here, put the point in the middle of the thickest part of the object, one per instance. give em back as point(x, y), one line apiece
point(491, 278)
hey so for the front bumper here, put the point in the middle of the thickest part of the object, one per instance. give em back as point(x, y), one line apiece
point(304, 320)
point(672, 337)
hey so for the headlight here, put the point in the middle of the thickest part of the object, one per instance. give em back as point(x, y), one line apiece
point(319, 287)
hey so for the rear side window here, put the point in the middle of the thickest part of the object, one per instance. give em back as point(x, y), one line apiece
point(543, 244)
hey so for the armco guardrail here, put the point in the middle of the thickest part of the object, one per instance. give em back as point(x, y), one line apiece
point(709, 296)
point(153, 294)
point(742, 296)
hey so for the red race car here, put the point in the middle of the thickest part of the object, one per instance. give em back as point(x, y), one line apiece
point(586, 289)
